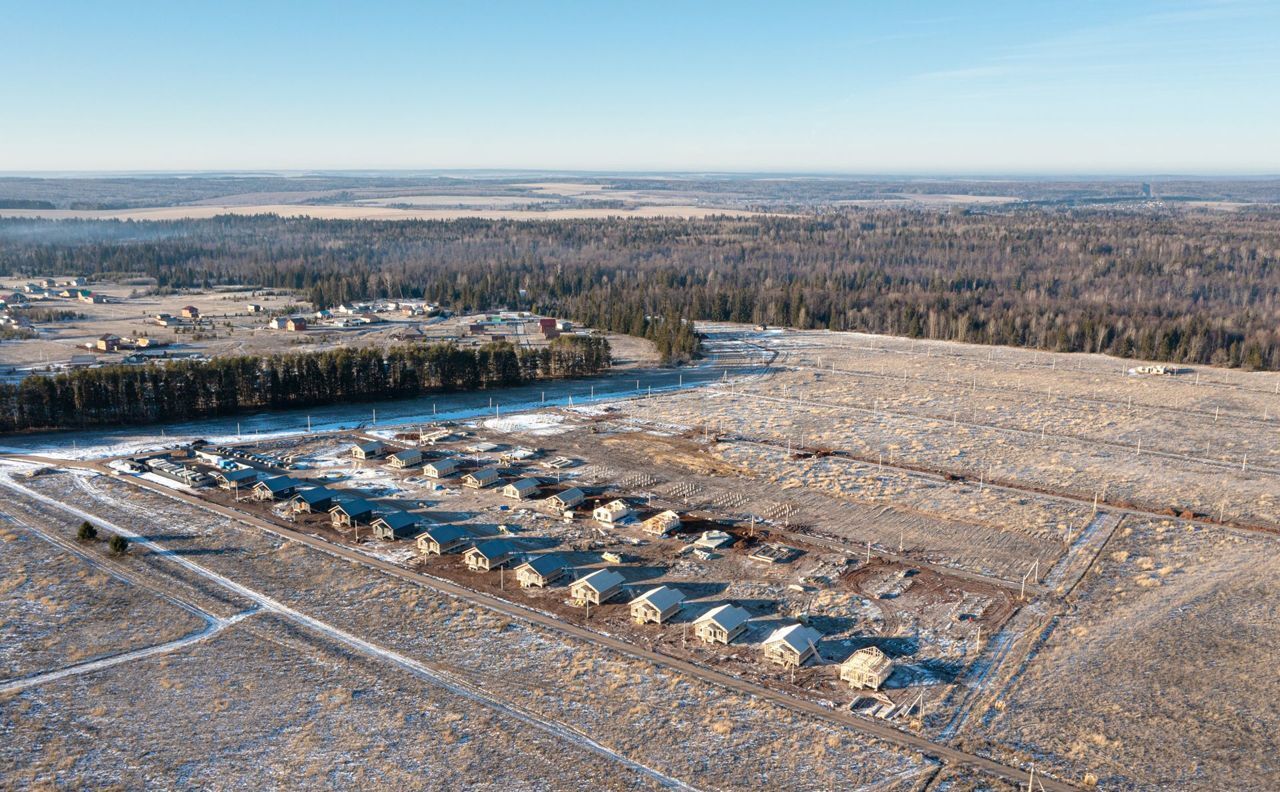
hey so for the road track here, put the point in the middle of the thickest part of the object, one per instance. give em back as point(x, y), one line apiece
point(882, 731)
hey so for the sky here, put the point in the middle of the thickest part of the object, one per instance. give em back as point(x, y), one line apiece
point(882, 87)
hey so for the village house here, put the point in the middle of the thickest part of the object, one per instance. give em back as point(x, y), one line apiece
point(614, 511)
point(404, 459)
point(91, 298)
point(255, 308)
point(489, 555)
point(479, 479)
point(275, 487)
point(661, 524)
point(190, 312)
point(440, 468)
point(108, 343)
point(351, 513)
point(369, 450)
point(866, 668)
point(522, 488)
point(440, 539)
point(721, 624)
point(396, 525)
point(600, 586)
point(656, 605)
point(316, 499)
point(234, 479)
point(541, 570)
point(295, 324)
point(563, 501)
point(792, 646)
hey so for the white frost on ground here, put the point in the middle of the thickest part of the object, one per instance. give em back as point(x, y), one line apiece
point(536, 423)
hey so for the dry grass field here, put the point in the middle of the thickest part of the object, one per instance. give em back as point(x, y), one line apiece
point(57, 610)
point(646, 713)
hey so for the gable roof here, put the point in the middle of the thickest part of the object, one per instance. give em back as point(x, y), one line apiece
point(315, 495)
point(409, 454)
point(494, 548)
point(726, 617)
point(526, 485)
point(278, 483)
point(399, 519)
point(571, 495)
point(796, 636)
point(545, 564)
point(602, 580)
point(443, 534)
point(371, 446)
point(239, 474)
point(662, 597)
point(354, 507)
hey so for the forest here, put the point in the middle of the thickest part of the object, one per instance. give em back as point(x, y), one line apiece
point(1174, 284)
point(116, 395)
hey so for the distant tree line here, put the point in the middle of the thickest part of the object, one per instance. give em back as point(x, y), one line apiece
point(1180, 285)
point(114, 395)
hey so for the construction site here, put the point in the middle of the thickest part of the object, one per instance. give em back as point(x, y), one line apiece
point(896, 555)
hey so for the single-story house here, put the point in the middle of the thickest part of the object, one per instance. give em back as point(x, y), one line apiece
point(316, 499)
point(295, 324)
point(440, 468)
point(612, 512)
point(721, 624)
point(661, 524)
point(600, 586)
point(489, 555)
point(541, 570)
point(440, 539)
point(866, 668)
point(406, 458)
point(479, 479)
point(234, 479)
point(351, 512)
point(369, 450)
point(396, 525)
point(792, 646)
point(275, 487)
point(522, 488)
point(563, 501)
point(190, 312)
point(656, 605)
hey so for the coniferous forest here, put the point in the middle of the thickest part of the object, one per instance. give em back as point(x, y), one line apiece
point(115, 395)
point(1178, 285)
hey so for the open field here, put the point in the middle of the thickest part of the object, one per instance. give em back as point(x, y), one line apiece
point(938, 502)
point(607, 696)
point(59, 610)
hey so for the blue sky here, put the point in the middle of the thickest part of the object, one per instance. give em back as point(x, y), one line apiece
point(1185, 86)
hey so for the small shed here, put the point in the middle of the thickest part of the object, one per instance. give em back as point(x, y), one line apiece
point(440, 468)
point(522, 488)
point(479, 479)
point(656, 605)
point(489, 555)
point(563, 501)
point(404, 459)
point(661, 524)
point(441, 539)
point(316, 499)
point(275, 487)
point(721, 624)
point(612, 512)
point(352, 512)
point(866, 668)
point(541, 570)
point(396, 525)
point(792, 646)
point(369, 450)
point(600, 586)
